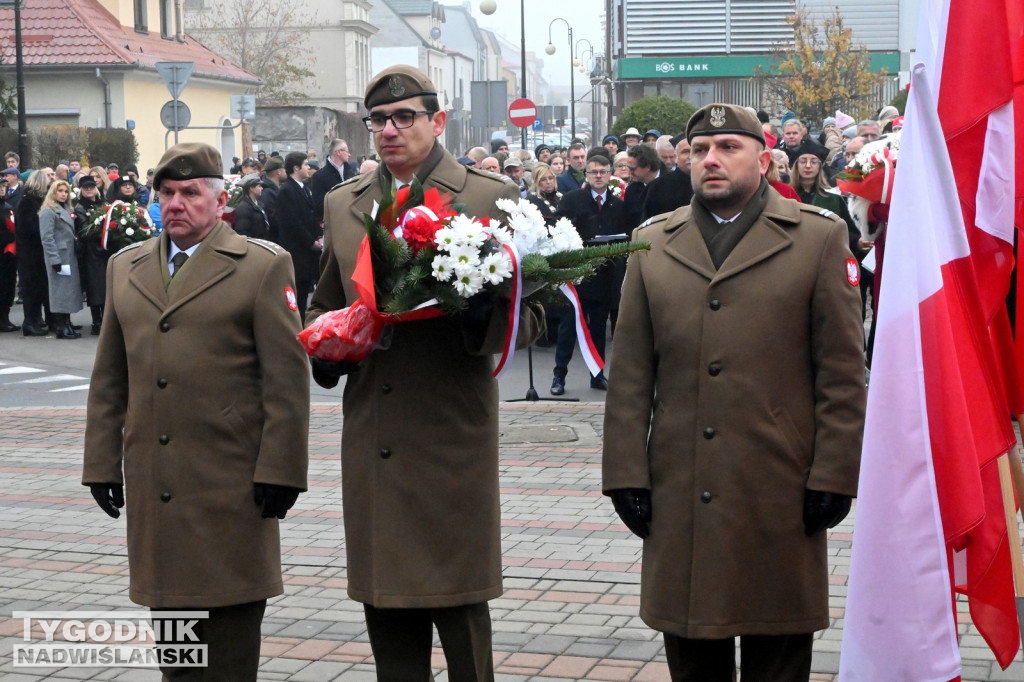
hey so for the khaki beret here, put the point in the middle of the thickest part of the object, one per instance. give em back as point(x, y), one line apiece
point(396, 83)
point(187, 161)
point(719, 119)
point(273, 163)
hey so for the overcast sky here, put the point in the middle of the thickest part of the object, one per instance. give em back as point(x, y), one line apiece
point(583, 15)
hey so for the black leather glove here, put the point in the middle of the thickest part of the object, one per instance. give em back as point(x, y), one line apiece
point(480, 307)
point(633, 505)
point(275, 499)
point(824, 510)
point(109, 496)
point(326, 373)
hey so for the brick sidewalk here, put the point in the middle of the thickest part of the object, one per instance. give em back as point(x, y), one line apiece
point(572, 572)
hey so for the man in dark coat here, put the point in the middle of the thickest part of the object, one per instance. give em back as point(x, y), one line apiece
point(596, 213)
point(298, 230)
point(419, 452)
point(338, 169)
point(574, 176)
point(273, 176)
point(645, 166)
point(199, 404)
point(734, 418)
point(672, 189)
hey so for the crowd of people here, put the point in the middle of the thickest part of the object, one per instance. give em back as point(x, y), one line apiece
point(734, 411)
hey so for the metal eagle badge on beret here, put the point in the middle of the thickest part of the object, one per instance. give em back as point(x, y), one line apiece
point(717, 117)
point(395, 86)
point(184, 169)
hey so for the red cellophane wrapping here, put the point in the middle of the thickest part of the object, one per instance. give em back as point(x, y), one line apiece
point(346, 334)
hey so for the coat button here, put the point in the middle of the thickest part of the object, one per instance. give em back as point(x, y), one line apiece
point(714, 369)
point(165, 439)
point(165, 497)
point(385, 453)
point(165, 326)
point(715, 304)
point(161, 383)
point(709, 433)
point(385, 389)
point(705, 497)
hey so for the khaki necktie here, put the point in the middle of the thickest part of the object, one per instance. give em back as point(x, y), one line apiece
point(178, 260)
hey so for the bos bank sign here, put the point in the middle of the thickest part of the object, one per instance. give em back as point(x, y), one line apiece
point(731, 66)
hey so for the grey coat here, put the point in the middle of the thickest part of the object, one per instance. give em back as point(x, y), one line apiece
point(57, 233)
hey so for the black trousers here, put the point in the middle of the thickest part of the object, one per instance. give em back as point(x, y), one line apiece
point(763, 658)
point(232, 638)
point(401, 640)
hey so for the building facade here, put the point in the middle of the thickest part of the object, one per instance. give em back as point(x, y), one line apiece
point(711, 50)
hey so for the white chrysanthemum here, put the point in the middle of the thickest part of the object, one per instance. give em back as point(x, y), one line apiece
point(445, 238)
point(468, 231)
point(468, 281)
point(496, 267)
point(129, 231)
point(465, 255)
point(506, 205)
point(442, 267)
point(501, 235)
point(564, 236)
point(124, 221)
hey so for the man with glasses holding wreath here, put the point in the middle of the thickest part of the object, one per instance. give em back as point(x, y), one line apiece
point(419, 452)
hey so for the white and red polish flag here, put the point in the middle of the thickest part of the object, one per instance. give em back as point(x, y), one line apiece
point(937, 414)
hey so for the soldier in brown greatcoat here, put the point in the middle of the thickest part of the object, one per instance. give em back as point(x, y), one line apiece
point(200, 395)
point(735, 411)
point(419, 454)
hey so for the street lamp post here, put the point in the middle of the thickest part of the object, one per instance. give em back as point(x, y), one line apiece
point(550, 49)
point(23, 149)
point(489, 7)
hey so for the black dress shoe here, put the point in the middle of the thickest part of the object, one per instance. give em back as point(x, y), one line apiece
point(32, 329)
point(76, 327)
point(95, 328)
point(68, 333)
point(558, 385)
point(8, 326)
point(599, 382)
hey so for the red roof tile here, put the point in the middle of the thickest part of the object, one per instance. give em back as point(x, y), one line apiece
point(82, 32)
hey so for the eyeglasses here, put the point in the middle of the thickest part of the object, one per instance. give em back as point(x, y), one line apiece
point(403, 118)
point(622, 165)
point(809, 162)
point(598, 173)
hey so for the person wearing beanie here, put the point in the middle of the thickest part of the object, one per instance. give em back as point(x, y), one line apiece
point(542, 153)
point(92, 257)
point(419, 451)
point(611, 143)
point(743, 314)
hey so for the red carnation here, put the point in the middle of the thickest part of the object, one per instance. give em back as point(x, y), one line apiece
point(418, 231)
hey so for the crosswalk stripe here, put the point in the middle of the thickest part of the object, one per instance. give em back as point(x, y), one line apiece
point(50, 379)
point(21, 370)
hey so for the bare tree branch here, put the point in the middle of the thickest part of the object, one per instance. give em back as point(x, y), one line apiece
point(263, 37)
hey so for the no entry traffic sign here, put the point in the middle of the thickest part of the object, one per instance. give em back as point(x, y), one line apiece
point(522, 113)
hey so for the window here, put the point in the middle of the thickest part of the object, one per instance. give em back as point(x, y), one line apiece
point(141, 21)
point(167, 18)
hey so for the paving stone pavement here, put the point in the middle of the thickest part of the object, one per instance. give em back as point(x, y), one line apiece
point(572, 571)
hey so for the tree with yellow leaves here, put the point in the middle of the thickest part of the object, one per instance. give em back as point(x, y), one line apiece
point(820, 71)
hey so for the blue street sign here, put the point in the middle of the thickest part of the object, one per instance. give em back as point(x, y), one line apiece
point(537, 124)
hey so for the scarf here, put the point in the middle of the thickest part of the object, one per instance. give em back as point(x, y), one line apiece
point(721, 239)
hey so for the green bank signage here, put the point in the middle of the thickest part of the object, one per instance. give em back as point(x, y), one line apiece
point(734, 66)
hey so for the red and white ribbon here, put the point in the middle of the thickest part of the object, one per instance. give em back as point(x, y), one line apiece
point(884, 158)
point(512, 328)
point(409, 215)
point(590, 355)
point(106, 223)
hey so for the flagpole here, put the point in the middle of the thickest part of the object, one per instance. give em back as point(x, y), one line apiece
point(1013, 530)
